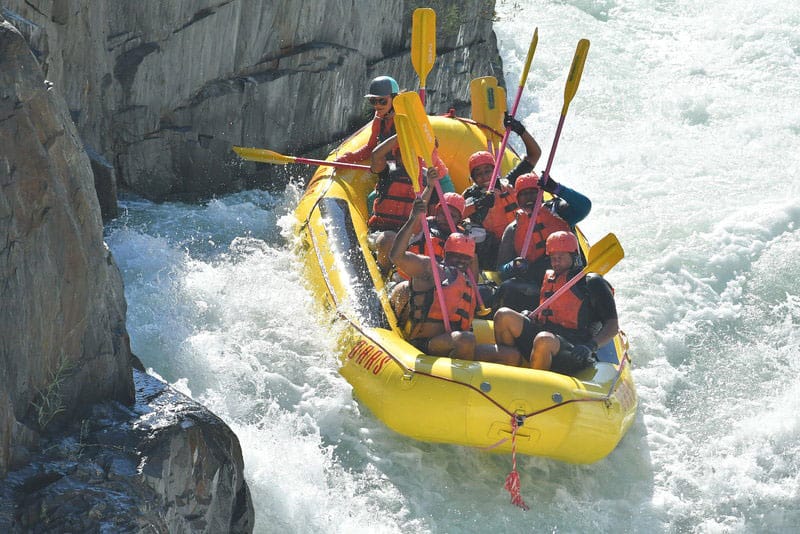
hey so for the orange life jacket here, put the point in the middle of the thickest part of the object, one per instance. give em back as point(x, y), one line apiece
point(565, 309)
point(459, 296)
point(394, 201)
point(503, 211)
point(547, 222)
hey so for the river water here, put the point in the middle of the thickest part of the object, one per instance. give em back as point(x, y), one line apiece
point(684, 133)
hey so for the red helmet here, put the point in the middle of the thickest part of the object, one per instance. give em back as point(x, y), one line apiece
point(455, 200)
point(480, 158)
point(460, 244)
point(561, 241)
point(527, 181)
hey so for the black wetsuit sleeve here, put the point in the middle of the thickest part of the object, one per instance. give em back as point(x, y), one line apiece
point(601, 297)
point(523, 167)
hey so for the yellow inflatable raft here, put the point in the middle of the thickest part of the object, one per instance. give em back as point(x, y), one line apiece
point(575, 419)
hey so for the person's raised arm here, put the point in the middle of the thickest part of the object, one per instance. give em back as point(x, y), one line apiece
point(410, 263)
point(378, 162)
point(532, 148)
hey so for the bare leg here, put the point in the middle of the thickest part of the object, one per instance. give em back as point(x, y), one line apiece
point(545, 346)
point(399, 297)
point(507, 326)
point(383, 245)
point(440, 345)
point(459, 345)
point(463, 345)
point(497, 354)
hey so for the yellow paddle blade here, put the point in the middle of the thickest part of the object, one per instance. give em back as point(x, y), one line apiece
point(575, 72)
point(488, 102)
point(408, 150)
point(263, 155)
point(481, 98)
point(531, 51)
point(497, 113)
point(423, 42)
point(604, 255)
point(410, 105)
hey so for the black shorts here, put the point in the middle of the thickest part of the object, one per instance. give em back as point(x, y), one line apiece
point(562, 362)
point(421, 343)
point(524, 342)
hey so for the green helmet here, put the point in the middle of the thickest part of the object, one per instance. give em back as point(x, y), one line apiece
point(382, 86)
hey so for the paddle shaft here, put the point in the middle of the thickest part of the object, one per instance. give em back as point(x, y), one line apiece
point(437, 281)
point(262, 155)
point(339, 164)
point(452, 225)
point(540, 194)
point(573, 79)
point(560, 291)
point(514, 106)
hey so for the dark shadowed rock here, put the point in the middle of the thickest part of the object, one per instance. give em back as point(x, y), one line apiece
point(166, 465)
point(105, 184)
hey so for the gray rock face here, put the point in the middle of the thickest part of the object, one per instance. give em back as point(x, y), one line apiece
point(163, 89)
point(63, 342)
point(167, 465)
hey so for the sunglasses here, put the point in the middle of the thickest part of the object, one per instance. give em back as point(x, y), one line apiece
point(378, 101)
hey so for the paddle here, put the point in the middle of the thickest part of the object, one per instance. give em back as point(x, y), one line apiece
point(574, 78)
point(423, 45)
point(412, 144)
point(514, 106)
point(268, 156)
point(420, 129)
point(488, 106)
point(602, 256)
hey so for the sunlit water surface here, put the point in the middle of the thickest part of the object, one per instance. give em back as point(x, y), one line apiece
point(684, 132)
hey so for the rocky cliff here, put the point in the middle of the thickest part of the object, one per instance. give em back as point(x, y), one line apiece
point(161, 90)
point(163, 465)
point(72, 456)
point(63, 342)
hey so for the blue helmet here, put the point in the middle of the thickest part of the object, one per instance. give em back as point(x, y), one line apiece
point(383, 86)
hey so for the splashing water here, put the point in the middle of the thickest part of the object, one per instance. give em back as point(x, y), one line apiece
point(684, 133)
